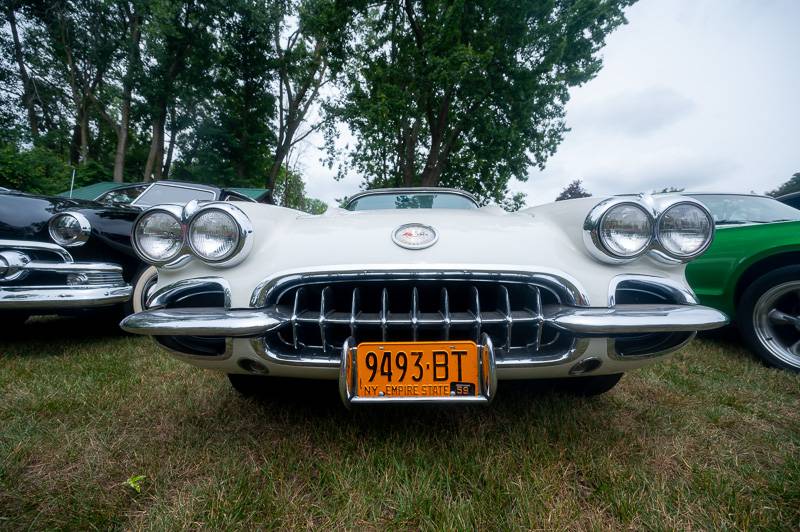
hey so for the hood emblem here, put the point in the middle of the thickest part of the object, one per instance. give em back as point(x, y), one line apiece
point(415, 236)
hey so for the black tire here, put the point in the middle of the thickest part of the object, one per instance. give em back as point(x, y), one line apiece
point(751, 306)
point(589, 386)
point(248, 385)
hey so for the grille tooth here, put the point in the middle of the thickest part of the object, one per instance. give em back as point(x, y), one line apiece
point(354, 310)
point(325, 312)
point(537, 294)
point(505, 301)
point(415, 313)
point(296, 309)
point(384, 312)
point(475, 309)
point(445, 311)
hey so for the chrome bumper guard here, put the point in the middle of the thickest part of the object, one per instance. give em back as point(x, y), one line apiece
point(86, 284)
point(581, 321)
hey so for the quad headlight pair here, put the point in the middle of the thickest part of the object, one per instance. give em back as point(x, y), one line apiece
point(675, 230)
point(218, 234)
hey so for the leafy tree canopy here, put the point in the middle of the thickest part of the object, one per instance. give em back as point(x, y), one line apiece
point(465, 94)
point(792, 185)
point(573, 190)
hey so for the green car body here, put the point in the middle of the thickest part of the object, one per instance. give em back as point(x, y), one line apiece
point(738, 255)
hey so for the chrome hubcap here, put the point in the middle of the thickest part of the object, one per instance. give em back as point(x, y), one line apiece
point(776, 318)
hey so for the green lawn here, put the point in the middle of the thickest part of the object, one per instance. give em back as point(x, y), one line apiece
point(708, 439)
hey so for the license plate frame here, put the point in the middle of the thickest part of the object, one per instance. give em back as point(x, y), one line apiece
point(485, 385)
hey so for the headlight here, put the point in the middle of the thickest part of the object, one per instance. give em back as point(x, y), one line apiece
point(220, 234)
point(214, 235)
point(626, 230)
point(685, 230)
point(158, 236)
point(618, 230)
point(69, 229)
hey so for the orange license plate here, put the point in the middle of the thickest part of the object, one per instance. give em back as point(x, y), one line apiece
point(417, 369)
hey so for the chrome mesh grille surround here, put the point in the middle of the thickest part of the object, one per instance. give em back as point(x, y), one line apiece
point(325, 309)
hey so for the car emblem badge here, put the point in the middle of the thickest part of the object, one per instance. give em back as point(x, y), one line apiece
point(415, 236)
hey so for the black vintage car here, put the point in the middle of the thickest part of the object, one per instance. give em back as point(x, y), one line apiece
point(61, 255)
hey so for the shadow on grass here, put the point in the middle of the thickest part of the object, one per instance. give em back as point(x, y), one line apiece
point(296, 401)
point(56, 335)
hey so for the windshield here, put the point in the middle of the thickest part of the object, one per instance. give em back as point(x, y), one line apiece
point(121, 195)
point(421, 200)
point(163, 193)
point(736, 210)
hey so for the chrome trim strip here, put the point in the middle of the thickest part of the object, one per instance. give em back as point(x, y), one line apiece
point(398, 272)
point(168, 294)
point(36, 246)
point(20, 297)
point(682, 293)
point(627, 319)
point(73, 267)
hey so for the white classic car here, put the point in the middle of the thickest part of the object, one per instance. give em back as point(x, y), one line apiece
point(420, 295)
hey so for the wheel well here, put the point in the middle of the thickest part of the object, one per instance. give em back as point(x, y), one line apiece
point(757, 269)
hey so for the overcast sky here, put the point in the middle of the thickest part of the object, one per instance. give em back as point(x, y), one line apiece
point(701, 94)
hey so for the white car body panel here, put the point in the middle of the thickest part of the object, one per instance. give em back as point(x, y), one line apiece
point(547, 239)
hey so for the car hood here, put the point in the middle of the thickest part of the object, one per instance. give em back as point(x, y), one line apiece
point(535, 240)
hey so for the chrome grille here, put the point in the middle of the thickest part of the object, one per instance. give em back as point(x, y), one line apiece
point(104, 279)
point(323, 312)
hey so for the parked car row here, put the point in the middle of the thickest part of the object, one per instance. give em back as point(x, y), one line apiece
point(62, 255)
point(412, 295)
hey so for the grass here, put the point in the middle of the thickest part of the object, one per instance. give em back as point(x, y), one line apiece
point(707, 439)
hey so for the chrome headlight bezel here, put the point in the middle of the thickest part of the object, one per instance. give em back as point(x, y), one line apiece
point(244, 234)
point(185, 215)
point(172, 211)
point(593, 225)
point(660, 252)
point(80, 239)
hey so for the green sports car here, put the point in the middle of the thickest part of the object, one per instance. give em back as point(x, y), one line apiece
point(752, 273)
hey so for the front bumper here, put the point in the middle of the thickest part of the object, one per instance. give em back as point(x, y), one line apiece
point(581, 321)
point(40, 275)
point(616, 338)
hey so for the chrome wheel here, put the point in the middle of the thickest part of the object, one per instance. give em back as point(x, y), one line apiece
point(776, 320)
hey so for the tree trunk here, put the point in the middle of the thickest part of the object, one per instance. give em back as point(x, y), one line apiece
point(83, 120)
point(171, 146)
point(127, 91)
point(28, 90)
point(156, 145)
point(275, 169)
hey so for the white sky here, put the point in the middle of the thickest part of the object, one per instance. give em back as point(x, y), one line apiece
point(701, 94)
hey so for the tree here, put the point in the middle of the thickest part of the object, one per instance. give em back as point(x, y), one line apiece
point(667, 190)
point(573, 190)
point(465, 94)
point(792, 185)
point(290, 191)
point(309, 41)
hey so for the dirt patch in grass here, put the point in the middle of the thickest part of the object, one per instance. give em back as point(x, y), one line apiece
point(707, 439)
